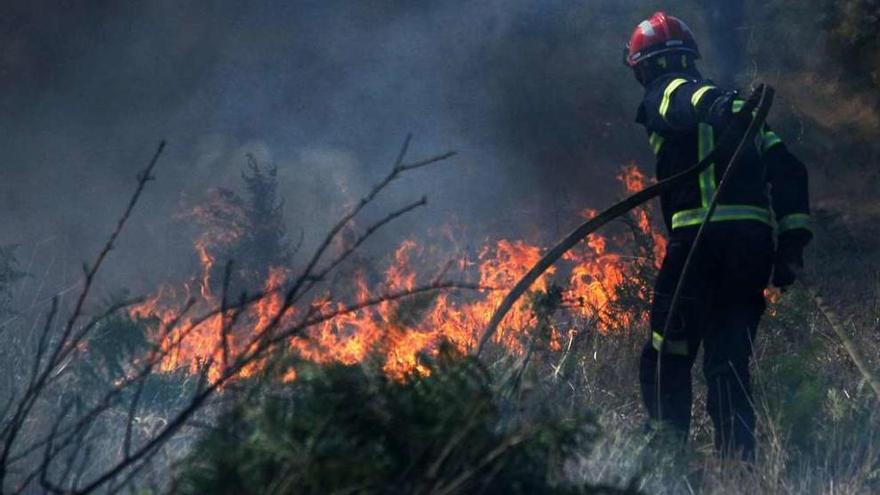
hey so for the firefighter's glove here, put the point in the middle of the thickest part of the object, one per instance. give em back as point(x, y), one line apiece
point(789, 261)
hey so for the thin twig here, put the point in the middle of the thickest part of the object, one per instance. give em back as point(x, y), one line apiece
point(429, 161)
point(44, 337)
point(224, 334)
point(362, 238)
point(834, 321)
point(132, 411)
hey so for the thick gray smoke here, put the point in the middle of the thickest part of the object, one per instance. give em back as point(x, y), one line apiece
point(532, 95)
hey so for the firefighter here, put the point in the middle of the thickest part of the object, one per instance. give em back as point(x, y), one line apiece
point(760, 227)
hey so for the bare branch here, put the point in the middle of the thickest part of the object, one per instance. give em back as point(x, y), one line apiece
point(44, 337)
point(429, 161)
point(132, 410)
point(224, 333)
point(372, 229)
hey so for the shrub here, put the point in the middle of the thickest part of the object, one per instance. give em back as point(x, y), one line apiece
point(343, 429)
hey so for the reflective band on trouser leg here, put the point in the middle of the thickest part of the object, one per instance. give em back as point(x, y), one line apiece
point(795, 221)
point(656, 141)
point(707, 177)
point(667, 95)
point(723, 213)
point(698, 95)
point(677, 347)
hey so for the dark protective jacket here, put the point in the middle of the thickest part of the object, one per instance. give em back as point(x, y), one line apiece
point(683, 114)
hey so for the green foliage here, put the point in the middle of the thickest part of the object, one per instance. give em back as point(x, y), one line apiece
point(790, 377)
point(341, 429)
point(247, 229)
point(265, 238)
point(117, 341)
point(798, 394)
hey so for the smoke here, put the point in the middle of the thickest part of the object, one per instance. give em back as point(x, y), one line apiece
point(727, 21)
point(532, 95)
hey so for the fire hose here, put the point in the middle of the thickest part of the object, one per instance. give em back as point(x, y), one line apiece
point(754, 113)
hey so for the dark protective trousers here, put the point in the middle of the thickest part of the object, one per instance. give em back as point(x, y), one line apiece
point(721, 304)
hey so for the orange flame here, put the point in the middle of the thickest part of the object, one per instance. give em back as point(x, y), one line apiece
point(402, 331)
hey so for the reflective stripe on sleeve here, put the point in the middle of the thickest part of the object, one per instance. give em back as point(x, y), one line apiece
point(706, 143)
point(766, 139)
point(698, 95)
point(667, 95)
point(795, 221)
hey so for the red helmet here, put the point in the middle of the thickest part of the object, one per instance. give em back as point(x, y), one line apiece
point(658, 34)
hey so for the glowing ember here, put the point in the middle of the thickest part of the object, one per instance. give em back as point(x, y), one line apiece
point(772, 295)
point(589, 277)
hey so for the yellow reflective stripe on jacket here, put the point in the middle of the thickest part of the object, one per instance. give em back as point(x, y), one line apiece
point(667, 95)
point(795, 221)
point(656, 141)
point(723, 213)
point(677, 347)
point(708, 186)
point(767, 138)
point(706, 143)
point(698, 95)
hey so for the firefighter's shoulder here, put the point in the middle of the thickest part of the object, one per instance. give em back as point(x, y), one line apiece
point(671, 102)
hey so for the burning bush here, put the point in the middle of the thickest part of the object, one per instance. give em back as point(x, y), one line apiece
point(602, 285)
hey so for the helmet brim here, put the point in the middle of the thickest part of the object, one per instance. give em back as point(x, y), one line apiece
point(638, 58)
